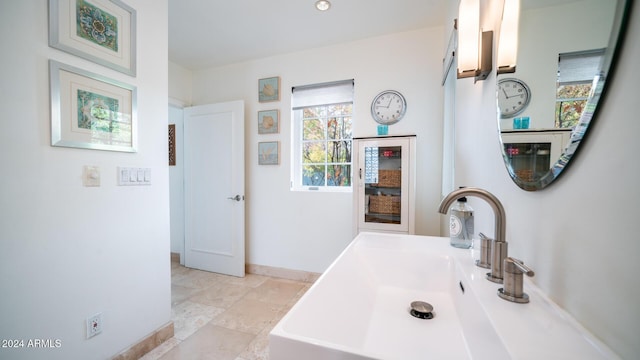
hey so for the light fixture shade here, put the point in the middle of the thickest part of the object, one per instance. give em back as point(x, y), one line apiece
point(509, 31)
point(468, 37)
point(323, 5)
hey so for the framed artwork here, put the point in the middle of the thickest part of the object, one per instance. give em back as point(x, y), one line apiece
point(269, 153)
point(269, 89)
point(91, 111)
point(103, 31)
point(172, 144)
point(269, 122)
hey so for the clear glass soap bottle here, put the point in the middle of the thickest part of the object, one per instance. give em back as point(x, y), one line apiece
point(461, 224)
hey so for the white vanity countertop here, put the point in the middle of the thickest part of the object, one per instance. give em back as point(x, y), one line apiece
point(539, 329)
point(491, 328)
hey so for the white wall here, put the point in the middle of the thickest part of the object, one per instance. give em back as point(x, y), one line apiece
point(306, 231)
point(181, 85)
point(579, 235)
point(68, 251)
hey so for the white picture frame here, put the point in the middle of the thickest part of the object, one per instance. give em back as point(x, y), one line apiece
point(91, 111)
point(102, 31)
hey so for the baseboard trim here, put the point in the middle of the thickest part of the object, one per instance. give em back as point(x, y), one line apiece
point(147, 344)
point(297, 275)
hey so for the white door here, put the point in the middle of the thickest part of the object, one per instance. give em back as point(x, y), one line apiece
point(214, 187)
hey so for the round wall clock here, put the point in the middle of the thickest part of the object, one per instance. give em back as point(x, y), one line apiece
point(388, 107)
point(514, 96)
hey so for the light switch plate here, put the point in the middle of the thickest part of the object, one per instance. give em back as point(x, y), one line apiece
point(90, 175)
point(133, 176)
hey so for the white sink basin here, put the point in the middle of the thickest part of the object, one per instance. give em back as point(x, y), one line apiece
point(359, 309)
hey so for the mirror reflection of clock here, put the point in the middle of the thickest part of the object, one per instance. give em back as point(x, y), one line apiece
point(514, 96)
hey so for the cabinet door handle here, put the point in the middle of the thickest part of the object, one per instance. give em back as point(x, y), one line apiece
point(360, 173)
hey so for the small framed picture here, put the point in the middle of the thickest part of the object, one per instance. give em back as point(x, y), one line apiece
point(91, 111)
point(269, 122)
point(103, 31)
point(269, 153)
point(269, 89)
point(172, 144)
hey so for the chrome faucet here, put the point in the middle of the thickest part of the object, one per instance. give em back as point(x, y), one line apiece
point(499, 245)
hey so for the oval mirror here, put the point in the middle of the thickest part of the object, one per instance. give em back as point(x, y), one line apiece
point(546, 102)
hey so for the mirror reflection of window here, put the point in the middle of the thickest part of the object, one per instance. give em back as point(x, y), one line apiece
point(576, 71)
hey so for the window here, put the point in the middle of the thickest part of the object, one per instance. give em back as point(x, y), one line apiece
point(575, 76)
point(322, 117)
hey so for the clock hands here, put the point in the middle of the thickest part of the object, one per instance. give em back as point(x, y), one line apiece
point(388, 105)
point(507, 95)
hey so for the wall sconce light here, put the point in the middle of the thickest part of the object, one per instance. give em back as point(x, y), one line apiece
point(474, 51)
point(508, 43)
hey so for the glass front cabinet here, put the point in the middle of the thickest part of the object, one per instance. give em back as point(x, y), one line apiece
point(384, 184)
point(532, 153)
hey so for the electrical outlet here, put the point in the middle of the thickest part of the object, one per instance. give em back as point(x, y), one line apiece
point(94, 325)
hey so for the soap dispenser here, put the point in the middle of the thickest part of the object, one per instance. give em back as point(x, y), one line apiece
point(461, 224)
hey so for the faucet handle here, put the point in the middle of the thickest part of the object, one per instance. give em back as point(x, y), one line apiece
point(513, 281)
point(485, 252)
point(512, 265)
point(498, 255)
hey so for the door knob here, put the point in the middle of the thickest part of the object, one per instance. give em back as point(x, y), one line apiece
point(236, 198)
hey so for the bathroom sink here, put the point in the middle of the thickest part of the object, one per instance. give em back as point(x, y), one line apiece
point(360, 309)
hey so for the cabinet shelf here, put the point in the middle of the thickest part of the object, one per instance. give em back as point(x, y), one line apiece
point(383, 218)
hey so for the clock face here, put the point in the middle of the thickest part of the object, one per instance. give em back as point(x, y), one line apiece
point(388, 107)
point(513, 97)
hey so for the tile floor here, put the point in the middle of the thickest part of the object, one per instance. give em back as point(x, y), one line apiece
point(223, 317)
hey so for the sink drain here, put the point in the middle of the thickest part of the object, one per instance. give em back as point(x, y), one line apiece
point(421, 310)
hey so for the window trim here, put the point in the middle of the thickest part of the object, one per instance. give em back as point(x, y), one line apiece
point(296, 157)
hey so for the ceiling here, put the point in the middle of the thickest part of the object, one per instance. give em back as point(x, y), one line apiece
point(211, 33)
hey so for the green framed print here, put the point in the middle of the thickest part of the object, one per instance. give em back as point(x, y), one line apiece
point(91, 111)
point(269, 121)
point(269, 89)
point(103, 31)
point(269, 153)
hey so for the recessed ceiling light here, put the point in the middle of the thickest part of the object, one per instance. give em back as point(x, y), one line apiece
point(323, 5)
